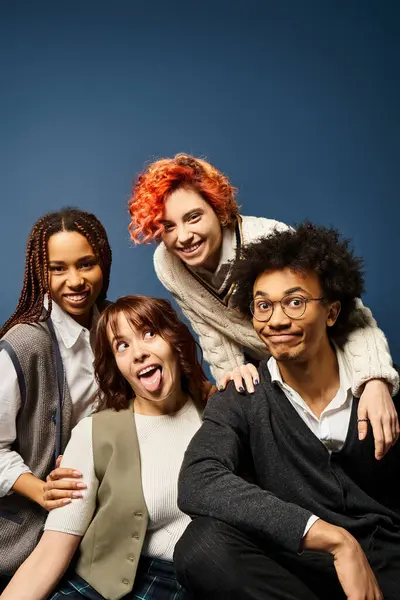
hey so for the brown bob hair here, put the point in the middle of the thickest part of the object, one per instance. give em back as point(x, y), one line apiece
point(157, 314)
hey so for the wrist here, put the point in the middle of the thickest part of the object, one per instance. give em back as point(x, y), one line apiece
point(324, 537)
point(30, 486)
point(36, 491)
point(377, 384)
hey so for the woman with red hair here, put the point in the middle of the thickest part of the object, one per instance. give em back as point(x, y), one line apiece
point(125, 526)
point(188, 207)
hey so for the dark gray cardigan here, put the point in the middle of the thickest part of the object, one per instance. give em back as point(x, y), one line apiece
point(293, 474)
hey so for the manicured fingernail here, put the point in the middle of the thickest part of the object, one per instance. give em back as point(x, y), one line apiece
point(76, 495)
point(220, 387)
point(241, 389)
point(76, 473)
point(67, 501)
point(81, 485)
point(256, 382)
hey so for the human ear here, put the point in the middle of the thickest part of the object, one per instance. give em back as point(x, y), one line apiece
point(333, 313)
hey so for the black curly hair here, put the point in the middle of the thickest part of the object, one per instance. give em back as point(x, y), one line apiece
point(308, 248)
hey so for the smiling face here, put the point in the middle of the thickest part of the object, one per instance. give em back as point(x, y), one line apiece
point(290, 339)
point(192, 230)
point(75, 276)
point(146, 361)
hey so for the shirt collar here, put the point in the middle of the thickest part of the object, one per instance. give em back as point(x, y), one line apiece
point(344, 371)
point(68, 329)
point(228, 254)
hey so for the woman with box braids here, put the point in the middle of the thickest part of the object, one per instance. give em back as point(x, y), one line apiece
point(35, 284)
point(47, 380)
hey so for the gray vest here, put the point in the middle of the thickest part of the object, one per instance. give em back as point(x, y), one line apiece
point(43, 429)
point(110, 549)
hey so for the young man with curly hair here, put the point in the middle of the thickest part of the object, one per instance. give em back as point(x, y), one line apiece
point(189, 208)
point(286, 502)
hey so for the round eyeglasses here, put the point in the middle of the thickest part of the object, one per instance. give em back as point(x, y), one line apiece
point(294, 306)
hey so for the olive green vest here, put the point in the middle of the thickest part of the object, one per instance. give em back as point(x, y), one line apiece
point(110, 549)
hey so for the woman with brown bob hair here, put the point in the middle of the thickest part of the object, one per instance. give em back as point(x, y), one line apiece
point(130, 451)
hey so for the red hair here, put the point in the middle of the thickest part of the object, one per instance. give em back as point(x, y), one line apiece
point(161, 178)
point(157, 314)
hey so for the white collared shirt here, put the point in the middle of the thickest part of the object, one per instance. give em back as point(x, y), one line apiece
point(75, 344)
point(332, 425)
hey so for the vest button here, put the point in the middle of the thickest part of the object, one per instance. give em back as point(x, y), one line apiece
point(138, 514)
point(125, 581)
point(135, 536)
point(131, 557)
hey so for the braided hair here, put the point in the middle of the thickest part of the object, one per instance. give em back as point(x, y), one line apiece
point(36, 280)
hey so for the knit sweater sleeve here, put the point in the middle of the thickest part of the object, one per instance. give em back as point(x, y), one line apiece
point(367, 352)
point(219, 351)
point(209, 483)
point(75, 518)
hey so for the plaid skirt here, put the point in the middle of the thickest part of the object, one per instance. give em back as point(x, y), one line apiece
point(155, 580)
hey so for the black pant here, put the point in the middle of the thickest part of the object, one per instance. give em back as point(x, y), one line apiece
point(4, 581)
point(216, 561)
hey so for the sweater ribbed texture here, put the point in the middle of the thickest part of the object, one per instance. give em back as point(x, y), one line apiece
point(162, 441)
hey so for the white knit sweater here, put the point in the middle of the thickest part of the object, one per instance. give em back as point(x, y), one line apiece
point(162, 441)
point(224, 333)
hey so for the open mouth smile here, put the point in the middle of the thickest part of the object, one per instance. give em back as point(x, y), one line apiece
point(191, 249)
point(77, 298)
point(151, 377)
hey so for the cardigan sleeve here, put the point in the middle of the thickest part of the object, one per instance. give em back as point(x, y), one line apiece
point(219, 351)
point(210, 484)
point(367, 352)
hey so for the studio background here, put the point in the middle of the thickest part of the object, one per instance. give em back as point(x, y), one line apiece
point(298, 102)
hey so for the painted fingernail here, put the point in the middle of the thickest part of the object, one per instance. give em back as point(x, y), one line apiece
point(256, 382)
point(81, 485)
point(241, 389)
point(67, 501)
point(221, 387)
point(76, 495)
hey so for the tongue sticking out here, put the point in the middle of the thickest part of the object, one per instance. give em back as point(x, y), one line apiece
point(151, 381)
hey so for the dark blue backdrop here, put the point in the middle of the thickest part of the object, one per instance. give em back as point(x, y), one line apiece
point(297, 101)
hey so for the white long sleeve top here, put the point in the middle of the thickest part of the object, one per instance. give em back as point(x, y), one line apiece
point(225, 335)
point(162, 442)
point(75, 343)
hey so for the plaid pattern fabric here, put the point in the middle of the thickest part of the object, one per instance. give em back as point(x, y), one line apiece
point(155, 580)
